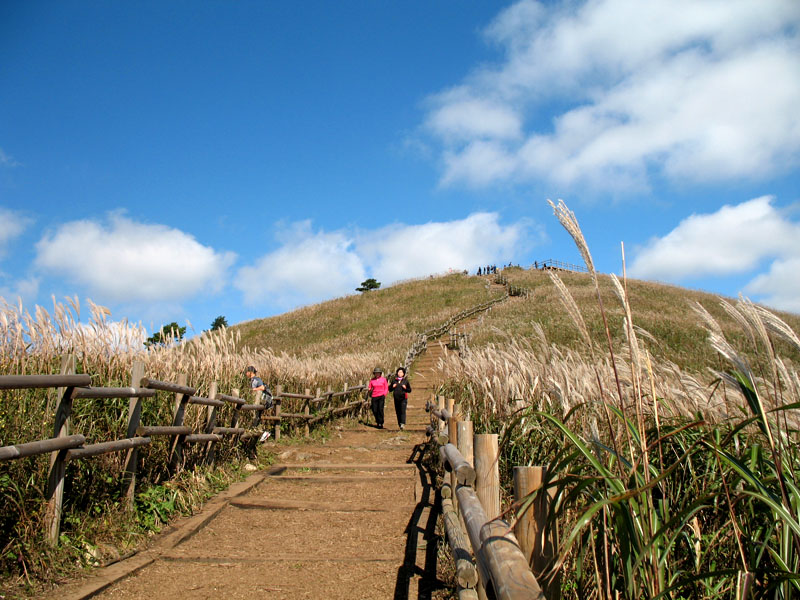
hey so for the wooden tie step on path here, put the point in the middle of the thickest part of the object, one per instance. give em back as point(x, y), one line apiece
point(351, 517)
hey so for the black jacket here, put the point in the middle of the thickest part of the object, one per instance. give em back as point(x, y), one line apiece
point(400, 390)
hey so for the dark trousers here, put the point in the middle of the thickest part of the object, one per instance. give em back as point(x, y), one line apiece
point(377, 409)
point(400, 408)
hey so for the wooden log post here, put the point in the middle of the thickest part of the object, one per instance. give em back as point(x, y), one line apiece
point(307, 412)
point(441, 405)
point(179, 414)
point(464, 445)
point(499, 558)
point(58, 459)
point(211, 423)
point(535, 540)
point(134, 420)
point(277, 430)
point(466, 572)
point(487, 471)
point(237, 409)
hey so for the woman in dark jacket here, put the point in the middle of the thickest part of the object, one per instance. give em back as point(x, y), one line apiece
point(400, 388)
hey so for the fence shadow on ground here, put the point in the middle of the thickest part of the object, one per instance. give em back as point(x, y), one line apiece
point(421, 525)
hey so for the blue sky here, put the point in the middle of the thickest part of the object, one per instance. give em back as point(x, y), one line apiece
point(183, 160)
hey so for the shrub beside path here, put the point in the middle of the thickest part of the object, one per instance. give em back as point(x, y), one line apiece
point(349, 517)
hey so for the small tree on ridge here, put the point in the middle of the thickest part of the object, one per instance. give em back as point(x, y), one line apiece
point(368, 284)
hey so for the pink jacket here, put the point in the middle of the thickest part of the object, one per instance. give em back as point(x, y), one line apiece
point(378, 387)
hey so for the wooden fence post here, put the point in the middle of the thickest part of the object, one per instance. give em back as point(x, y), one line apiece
point(487, 471)
point(237, 409)
point(307, 412)
point(535, 540)
point(176, 451)
point(58, 463)
point(277, 433)
point(464, 446)
point(134, 420)
point(441, 405)
point(487, 483)
point(211, 422)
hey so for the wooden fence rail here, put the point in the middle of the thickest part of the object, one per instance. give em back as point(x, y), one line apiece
point(485, 551)
point(420, 344)
point(64, 447)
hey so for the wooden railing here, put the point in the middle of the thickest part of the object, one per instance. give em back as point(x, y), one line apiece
point(64, 447)
point(559, 265)
point(487, 551)
point(512, 289)
point(419, 345)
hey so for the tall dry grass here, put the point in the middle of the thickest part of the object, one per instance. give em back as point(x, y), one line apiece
point(35, 344)
point(666, 484)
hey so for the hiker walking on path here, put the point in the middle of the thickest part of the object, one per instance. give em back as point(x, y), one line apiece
point(400, 388)
point(377, 389)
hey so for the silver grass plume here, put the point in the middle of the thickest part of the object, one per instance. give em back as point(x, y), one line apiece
point(571, 307)
point(568, 220)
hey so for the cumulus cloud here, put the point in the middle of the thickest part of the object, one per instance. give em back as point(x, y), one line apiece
point(404, 251)
point(780, 286)
point(12, 224)
point(124, 260)
point(22, 290)
point(308, 267)
point(732, 240)
point(7, 160)
point(698, 90)
point(314, 265)
point(736, 239)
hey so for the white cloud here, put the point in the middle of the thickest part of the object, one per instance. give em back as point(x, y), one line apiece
point(312, 266)
point(699, 90)
point(403, 251)
point(780, 286)
point(7, 160)
point(735, 239)
point(457, 117)
point(308, 267)
point(24, 290)
point(123, 260)
point(12, 224)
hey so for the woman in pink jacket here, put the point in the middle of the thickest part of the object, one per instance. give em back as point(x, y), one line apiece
point(377, 389)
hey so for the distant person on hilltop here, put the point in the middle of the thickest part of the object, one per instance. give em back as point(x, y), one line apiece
point(400, 388)
point(376, 391)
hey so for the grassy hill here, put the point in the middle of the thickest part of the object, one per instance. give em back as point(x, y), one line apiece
point(390, 319)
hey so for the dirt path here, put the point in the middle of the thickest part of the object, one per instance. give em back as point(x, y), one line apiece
point(352, 517)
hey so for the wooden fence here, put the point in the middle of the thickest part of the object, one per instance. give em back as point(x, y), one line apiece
point(419, 345)
point(549, 263)
point(513, 290)
point(64, 447)
point(487, 551)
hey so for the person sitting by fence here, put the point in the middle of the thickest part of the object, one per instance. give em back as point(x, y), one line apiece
point(400, 388)
point(257, 385)
point(376, 390)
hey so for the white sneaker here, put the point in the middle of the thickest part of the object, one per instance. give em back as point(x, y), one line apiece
point(264, 436)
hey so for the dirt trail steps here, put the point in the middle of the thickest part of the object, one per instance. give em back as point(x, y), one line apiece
point(352, 517)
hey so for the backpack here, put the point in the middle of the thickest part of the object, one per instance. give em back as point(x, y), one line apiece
point(266, 397)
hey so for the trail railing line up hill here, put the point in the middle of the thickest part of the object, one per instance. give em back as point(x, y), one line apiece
point(419, 345)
